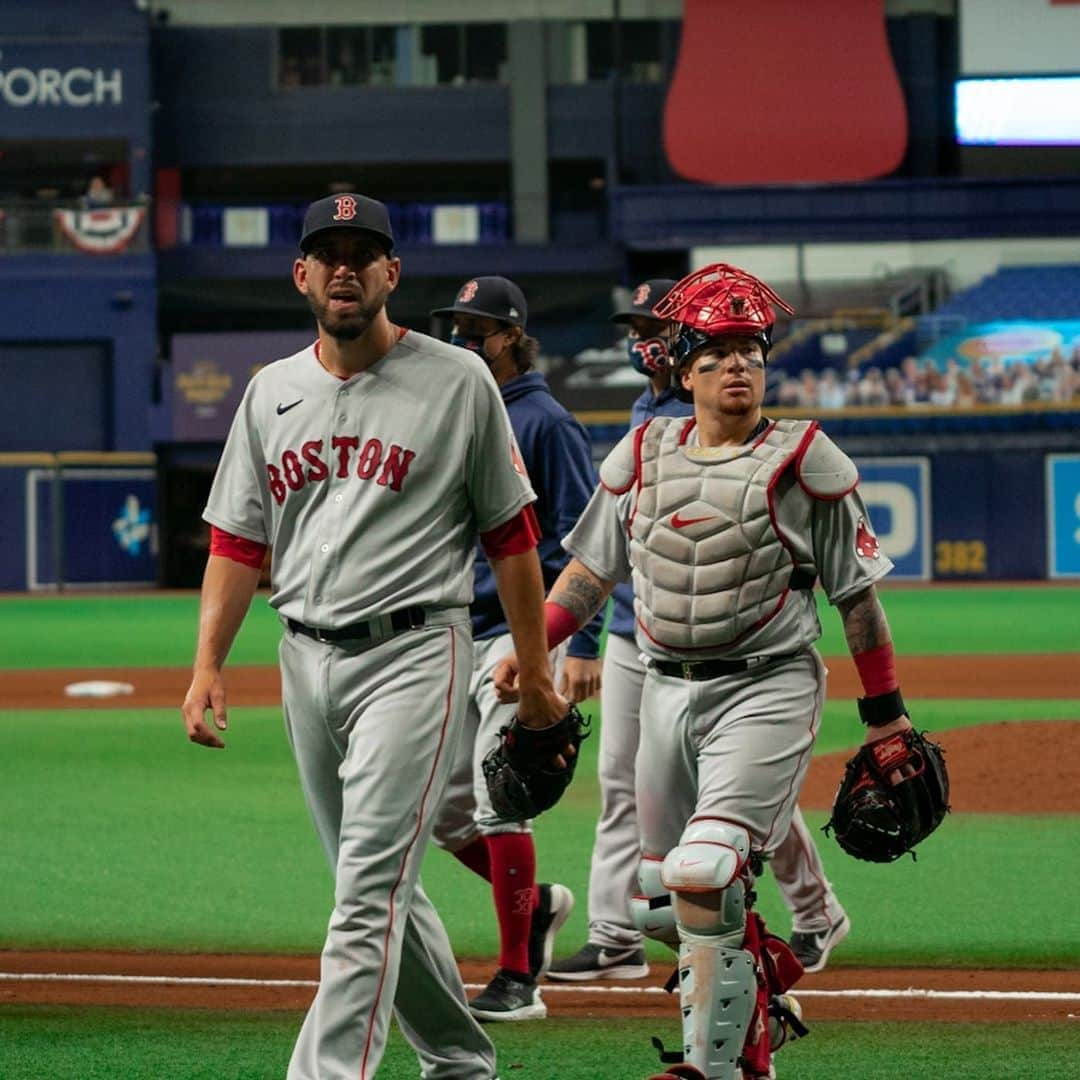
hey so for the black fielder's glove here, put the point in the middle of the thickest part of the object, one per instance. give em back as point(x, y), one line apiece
point(522, 777)
point(877, 820)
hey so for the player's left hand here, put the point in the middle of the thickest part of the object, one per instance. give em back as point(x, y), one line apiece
point(505, 680)
point(580, 679)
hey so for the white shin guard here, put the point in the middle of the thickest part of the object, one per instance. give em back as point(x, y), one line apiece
point(708, 875)
point(717, 992)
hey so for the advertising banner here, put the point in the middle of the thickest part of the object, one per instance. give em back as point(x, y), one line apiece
point(74, 89)
point(1063, 515)
point(108, 519)
point(1009, 342)
point(897, 495)
point(210, 373)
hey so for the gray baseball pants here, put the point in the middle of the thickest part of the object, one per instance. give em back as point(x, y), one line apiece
point(374, 731)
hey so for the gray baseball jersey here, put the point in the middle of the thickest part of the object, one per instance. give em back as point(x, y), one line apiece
point(370, 490)
point(828, 536)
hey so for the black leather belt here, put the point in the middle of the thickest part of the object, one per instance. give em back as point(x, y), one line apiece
point(409, 618)
point(703, 670)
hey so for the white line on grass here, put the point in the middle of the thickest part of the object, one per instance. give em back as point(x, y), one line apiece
point(908, 992)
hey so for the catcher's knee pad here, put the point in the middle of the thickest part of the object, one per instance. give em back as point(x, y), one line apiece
point(707, 875)
point(651, 910)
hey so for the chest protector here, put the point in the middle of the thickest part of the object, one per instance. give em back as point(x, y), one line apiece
point(709, 563)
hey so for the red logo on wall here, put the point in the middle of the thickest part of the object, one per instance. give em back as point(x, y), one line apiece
point(641, 294)
point(468, 291)
point(346, 208)
point(866, 543)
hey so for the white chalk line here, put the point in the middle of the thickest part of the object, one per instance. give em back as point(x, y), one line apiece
point(549, 988)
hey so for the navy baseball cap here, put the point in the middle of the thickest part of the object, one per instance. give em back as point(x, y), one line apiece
point(491, 297)
point(644, 298)
point(347, 211)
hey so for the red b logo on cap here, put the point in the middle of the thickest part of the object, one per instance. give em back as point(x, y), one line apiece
point(468, 291)
point(346, 208)
point(641, 295)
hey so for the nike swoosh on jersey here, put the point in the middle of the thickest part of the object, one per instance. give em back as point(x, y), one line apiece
point(282, 409)
point(681, 523)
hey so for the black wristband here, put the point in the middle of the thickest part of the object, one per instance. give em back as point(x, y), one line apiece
point(882, 709)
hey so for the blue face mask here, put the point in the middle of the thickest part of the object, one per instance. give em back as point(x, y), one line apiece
point(647, 355)
point(474, 343)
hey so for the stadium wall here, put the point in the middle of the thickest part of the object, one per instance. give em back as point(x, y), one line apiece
point(986, 513)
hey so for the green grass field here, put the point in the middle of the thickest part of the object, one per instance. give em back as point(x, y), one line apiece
point(149, 630)
point(121, 834)
point(40, 1043)
point(120, 816)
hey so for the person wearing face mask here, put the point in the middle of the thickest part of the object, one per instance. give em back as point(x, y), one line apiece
point(489, 318)
point(615, 947)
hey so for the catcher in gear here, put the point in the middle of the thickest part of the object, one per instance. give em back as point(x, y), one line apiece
point(724, 522)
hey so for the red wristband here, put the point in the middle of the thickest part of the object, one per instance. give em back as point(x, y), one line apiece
point(561, 624)
point(877, 670)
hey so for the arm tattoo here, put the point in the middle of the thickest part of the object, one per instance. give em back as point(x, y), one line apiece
point(581, 596)
point(865, 625)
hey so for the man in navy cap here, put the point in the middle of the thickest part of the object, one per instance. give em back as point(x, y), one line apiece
point(371, 463)
point(489, 318)
point(615, 948)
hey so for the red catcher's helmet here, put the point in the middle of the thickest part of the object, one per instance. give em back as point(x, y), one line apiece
point(715, 300)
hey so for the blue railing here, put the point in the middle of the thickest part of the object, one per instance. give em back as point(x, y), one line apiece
point(279, 224)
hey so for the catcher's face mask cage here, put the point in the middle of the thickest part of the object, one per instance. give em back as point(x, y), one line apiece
point(718, 300)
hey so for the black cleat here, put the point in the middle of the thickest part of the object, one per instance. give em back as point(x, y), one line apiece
point(556, 903)
point(509, 997)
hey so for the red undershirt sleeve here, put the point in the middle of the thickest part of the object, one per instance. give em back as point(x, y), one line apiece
point(230, 546)
point(514, 537)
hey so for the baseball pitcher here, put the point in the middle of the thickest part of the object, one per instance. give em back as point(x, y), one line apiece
point(370, 462)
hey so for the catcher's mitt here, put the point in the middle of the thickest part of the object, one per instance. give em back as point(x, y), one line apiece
point(879, 821)
point(522, 777)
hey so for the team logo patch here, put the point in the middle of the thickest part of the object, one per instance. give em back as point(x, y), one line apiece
point(468, 291)
point(866, 543)
point(346, 208)
point(515, 457)
point(641, 294)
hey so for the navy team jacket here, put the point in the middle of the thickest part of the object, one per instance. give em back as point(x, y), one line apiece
point(558, 459)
